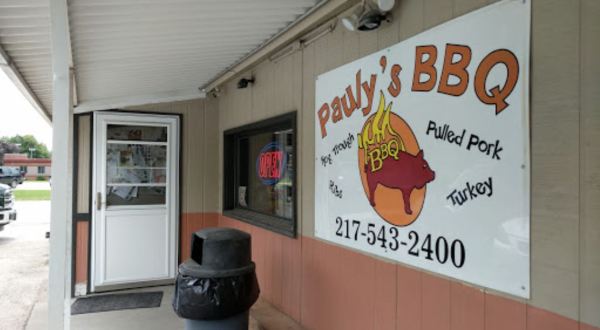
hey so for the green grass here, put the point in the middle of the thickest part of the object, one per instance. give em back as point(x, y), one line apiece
point(32, 195)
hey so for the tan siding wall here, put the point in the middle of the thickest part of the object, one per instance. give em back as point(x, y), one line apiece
point(565, 230)
point(589, 202)
point(555, 156)
point(83, 164)
point(276, 91)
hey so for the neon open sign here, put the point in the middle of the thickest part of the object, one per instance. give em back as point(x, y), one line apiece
point(271, 163)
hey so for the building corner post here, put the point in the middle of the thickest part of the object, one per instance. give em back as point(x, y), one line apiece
point(59, 291)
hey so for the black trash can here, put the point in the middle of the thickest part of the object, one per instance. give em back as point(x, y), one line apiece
point(217, 286)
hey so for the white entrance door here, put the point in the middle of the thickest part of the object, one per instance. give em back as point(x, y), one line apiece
point(135, 223)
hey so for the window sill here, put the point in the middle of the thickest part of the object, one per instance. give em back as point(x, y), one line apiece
point(269, 222)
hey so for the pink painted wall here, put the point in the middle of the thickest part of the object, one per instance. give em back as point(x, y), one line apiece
point(323, 286)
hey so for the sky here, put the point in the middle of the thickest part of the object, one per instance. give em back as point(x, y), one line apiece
point(17, 115)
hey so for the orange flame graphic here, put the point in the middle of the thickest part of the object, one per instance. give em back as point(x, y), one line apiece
point(375, 131)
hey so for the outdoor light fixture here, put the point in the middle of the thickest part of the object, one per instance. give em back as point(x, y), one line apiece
point(350, 22)
point(368, 15)
point(243, 83)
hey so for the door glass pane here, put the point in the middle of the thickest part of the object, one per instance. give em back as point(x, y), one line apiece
point(136, 172)
point(135, 163)
point(137, 133)
point(134, 195)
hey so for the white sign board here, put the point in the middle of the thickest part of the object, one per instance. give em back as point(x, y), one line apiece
point(422, 150)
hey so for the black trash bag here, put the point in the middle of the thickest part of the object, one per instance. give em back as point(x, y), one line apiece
point(214, 298)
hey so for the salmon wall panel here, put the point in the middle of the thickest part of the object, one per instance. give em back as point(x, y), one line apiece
point(538, 319)
point(435, 314)
point(325, 286)
point(409, 299)
point(342, 289)
point(503, 313)
point(291, 277)
point(385, 296)
point(81, 254)
point(467, 307)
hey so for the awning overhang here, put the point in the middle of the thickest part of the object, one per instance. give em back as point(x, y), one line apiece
point(130, 52)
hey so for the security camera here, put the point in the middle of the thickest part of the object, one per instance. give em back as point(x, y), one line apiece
point(368, 15)
point(215, 92)
point(371, 20)
point(243, 83)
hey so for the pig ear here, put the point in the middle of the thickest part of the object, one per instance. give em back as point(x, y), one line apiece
point(420, 154)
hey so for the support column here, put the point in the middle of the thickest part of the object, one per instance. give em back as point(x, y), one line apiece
point(59, 291)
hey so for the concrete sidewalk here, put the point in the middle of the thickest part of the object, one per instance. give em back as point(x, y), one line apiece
point(262, 316)
point(159, 318)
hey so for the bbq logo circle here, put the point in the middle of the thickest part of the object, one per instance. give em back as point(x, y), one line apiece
point(393, 170)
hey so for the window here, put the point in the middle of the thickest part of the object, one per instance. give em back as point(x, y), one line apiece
point(260, 174)
point(41, 169)
point(136, 165)
point(23, 169)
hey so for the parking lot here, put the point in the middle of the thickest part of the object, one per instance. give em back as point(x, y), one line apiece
point(23, 262)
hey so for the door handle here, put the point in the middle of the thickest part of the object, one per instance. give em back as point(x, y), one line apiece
point(98, 201)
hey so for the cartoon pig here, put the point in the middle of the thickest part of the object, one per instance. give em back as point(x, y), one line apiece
point(406, 173)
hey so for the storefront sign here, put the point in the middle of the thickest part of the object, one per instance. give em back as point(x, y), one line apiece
point(422, 150)
point(270, 164)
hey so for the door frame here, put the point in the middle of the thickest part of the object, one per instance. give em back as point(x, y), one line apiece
point(175, 200)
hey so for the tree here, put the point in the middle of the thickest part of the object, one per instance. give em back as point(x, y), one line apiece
point(7, 148)
point(28, 144)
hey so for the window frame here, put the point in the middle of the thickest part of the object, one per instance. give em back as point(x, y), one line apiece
point(231, 173)
point(41, 169)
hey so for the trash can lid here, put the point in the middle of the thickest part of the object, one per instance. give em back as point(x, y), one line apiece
point(217, 251)
point(192, 268)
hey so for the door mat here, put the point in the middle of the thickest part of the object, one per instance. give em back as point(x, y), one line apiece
point(113, 302)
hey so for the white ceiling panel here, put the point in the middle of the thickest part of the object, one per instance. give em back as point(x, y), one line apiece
point(133, 50)
point(129, 48)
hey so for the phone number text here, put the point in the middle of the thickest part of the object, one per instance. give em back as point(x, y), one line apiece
point(436, 249)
